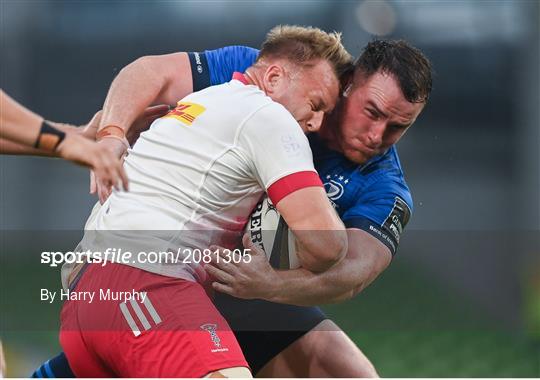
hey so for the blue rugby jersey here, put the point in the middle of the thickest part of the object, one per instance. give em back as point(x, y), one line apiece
point(373, 197)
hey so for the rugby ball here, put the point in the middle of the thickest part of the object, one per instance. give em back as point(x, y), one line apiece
point(269, 231)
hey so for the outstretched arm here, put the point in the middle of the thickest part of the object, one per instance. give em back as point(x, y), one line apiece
point(20, 127)
point(17, 123)
point(24, 132)
point(366, 258)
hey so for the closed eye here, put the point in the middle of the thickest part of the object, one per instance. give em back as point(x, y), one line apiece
point(372, 113)
point(398, 126)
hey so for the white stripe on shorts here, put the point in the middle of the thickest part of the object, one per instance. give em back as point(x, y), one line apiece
point(140, 314)
point(129, 319)
point(151, 310)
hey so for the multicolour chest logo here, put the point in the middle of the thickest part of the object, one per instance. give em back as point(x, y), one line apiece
point(186, 112)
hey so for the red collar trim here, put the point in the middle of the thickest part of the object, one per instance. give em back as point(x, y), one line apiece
point(240, 77)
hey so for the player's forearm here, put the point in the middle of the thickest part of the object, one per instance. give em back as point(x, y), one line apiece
point(320, 250)
point(135, 88)
point(304, 288)
point(20, 127)
point(17, 123)
point(161, 79)
point(67, 128)
point(366, 258)
point(10, 147)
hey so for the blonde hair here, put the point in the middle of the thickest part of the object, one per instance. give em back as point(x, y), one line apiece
point(304, 45)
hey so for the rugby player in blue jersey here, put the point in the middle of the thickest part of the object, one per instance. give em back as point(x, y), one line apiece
point(355, 156)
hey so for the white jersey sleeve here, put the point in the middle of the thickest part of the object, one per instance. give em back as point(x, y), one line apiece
point(279, 151)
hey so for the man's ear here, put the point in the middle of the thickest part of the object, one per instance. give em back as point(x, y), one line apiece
point(347, 90)
point(347, 84)
point(273, 78)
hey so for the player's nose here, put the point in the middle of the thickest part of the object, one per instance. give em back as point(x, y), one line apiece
point(315, 122)
point(375, 135)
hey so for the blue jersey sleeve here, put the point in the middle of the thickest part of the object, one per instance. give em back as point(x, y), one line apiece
point(217, 66)
point(383, 210)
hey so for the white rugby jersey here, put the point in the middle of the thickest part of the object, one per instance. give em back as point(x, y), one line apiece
point(197, 173)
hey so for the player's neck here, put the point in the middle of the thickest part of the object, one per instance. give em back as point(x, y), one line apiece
point(253, 77)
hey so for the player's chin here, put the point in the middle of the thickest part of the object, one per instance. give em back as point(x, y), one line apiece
point(357, 156)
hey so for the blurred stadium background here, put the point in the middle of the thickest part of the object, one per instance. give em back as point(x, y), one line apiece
point(462, 297)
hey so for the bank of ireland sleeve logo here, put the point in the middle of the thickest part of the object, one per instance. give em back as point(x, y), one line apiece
point(398, 218)
point(186, 112)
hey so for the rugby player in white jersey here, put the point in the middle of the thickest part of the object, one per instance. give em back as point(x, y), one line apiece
point(195, 175)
